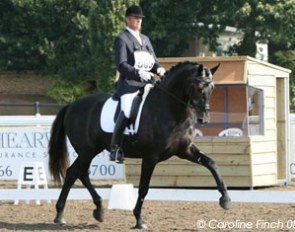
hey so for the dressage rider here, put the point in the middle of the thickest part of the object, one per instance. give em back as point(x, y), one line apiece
point(136, 61)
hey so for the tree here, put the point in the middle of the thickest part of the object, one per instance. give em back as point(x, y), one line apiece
point(264, 21)
point(287, 59)
point(72, 41)
point(19, 35)
point(91, 26)
point(171, 23)
point(106, 20)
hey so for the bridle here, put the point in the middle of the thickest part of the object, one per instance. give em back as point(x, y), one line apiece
point(189, 103)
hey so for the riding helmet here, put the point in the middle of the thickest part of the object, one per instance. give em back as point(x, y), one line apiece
point(134, 11)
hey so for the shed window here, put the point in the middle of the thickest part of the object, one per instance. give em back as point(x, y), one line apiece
point(236, 110)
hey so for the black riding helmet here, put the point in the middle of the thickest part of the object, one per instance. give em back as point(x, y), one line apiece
point(134, 11)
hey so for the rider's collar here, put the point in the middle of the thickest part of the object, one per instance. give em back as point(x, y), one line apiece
point(132, 31)
point(135, 34)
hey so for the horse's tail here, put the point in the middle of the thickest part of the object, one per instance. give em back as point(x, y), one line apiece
point(57, 148)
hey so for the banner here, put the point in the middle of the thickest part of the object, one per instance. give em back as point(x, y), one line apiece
point(30, 144)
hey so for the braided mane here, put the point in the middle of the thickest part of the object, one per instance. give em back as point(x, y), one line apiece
point(181, 70)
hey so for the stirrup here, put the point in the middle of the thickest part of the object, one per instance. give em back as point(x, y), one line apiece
point(117, 155)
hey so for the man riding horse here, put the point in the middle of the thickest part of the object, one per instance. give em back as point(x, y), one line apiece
point(136, 61)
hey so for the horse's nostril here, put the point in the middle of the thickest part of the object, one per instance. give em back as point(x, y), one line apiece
point(200, 121)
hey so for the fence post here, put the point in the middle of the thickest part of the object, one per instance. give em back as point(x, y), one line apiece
point(37, 111)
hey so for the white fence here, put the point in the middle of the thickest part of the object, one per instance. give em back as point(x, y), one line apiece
point(25, 139)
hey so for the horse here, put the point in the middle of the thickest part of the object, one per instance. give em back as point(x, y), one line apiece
point(171, 109)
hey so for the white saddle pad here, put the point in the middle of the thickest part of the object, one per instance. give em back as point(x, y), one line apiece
point(109, 109)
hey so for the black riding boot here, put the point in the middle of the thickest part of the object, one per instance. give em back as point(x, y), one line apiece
point(116, 152)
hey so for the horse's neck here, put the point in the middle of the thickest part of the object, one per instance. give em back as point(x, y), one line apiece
point(169, 118)
point(168, 106)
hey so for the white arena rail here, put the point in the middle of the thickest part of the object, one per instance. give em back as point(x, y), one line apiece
point(154, 194)
point(24, 120)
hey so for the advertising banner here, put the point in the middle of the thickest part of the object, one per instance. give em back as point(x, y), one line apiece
point(30, 144)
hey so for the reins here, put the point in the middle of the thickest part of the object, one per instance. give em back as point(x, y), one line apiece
point(172, 95)
point(187, 104)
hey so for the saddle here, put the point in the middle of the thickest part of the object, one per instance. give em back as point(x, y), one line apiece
point(134, 108)
point(112, 108)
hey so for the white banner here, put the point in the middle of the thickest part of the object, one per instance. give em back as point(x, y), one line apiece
point(29, 144)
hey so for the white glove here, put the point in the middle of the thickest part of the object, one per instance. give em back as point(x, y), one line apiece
point(145, 76)
point(161, 71)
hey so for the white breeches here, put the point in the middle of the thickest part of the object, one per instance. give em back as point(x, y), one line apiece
point(126, 103)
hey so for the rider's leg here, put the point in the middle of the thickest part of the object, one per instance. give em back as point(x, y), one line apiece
point(116, 153)
point(135, 108)
point(121, 123)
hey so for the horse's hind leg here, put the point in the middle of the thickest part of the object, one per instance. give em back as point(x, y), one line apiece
point(195, 155)
point(84, 177)
point(70, 178)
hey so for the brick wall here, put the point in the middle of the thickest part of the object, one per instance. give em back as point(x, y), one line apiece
point(24, 88)
point(23, 83)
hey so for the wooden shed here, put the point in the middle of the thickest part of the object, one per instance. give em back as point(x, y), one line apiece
point(248, 135)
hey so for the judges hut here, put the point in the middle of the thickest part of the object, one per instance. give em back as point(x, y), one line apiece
point(248, 135)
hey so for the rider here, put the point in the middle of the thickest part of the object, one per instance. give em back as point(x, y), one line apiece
point(135, 60)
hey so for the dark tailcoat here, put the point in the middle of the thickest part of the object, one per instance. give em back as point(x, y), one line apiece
point(125, 45)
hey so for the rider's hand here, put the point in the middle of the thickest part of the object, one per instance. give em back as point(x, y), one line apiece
point(161, 71)
point(145, 76)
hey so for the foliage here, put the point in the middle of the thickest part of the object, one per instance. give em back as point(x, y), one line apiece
point(272, 22)
point(106, 20)
point(259, 20)
point(70, 40)
point(171, 23)
point(20, 35)
point(264, 21)
point(287, 59)
point(66, 91)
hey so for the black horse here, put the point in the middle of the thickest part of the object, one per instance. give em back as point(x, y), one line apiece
point(171, 109)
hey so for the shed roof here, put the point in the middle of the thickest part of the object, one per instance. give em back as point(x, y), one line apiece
point(233, 69)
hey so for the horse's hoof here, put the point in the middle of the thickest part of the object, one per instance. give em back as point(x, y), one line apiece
point(60, 221)
point(98, 215)
point(225, 202)
point(140, 226)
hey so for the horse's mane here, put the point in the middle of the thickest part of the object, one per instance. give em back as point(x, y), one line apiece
point(181, 70)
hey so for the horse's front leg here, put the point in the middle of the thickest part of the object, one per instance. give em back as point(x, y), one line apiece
point(147, 168)
point(195, 155)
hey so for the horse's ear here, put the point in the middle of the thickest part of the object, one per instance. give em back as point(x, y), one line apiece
point(213, 70)
point(200, 68)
